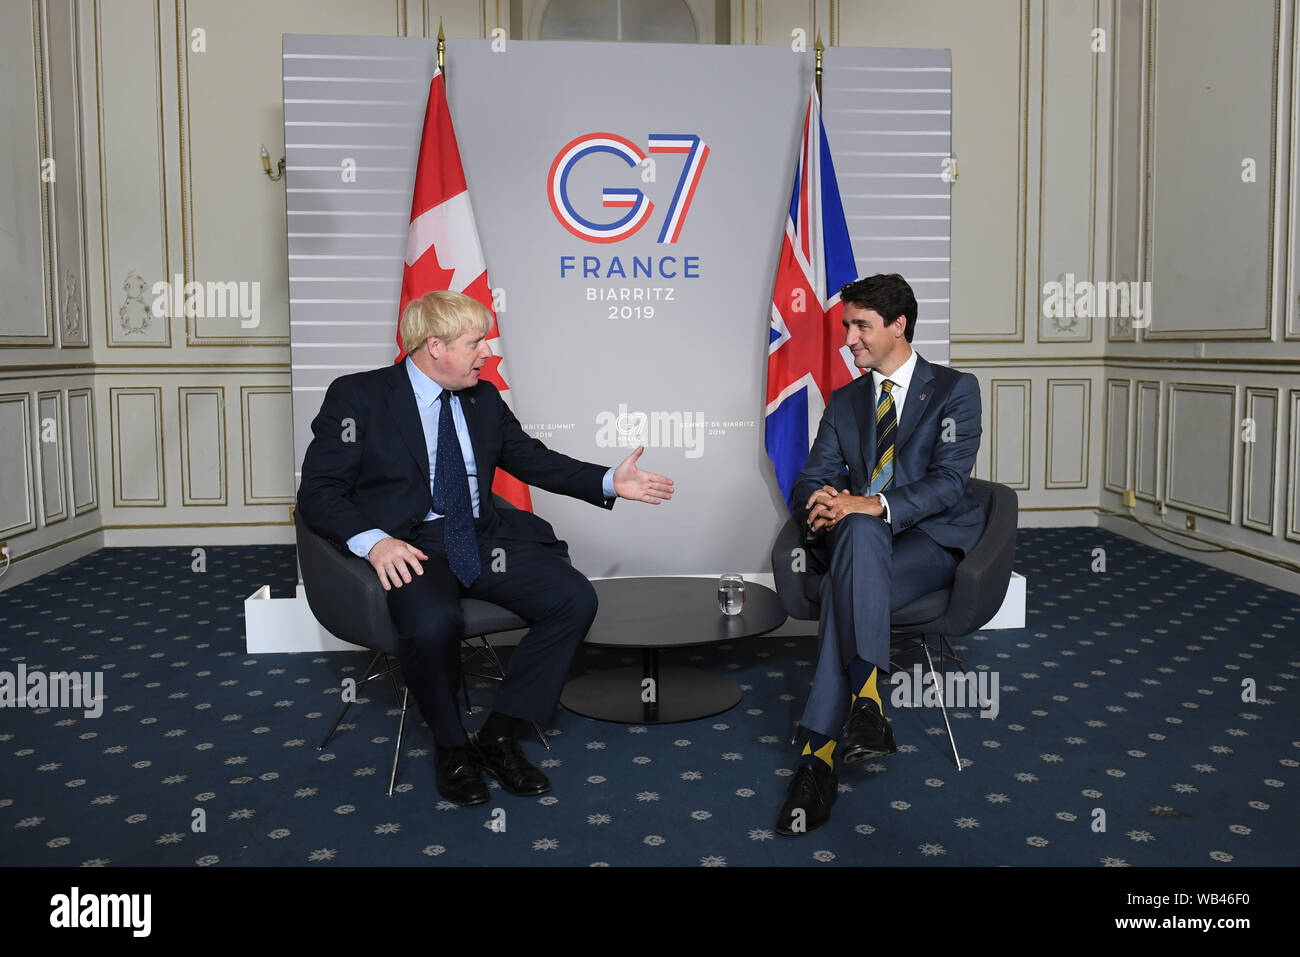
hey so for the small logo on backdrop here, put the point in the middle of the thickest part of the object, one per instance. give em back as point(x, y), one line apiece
point(658, 429)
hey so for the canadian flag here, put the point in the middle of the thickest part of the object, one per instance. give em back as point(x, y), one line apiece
point(443, 251)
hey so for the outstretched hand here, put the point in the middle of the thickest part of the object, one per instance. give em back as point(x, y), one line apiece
point(635, 483)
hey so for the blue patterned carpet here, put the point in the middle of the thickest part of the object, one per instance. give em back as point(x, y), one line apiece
point(1124, 697)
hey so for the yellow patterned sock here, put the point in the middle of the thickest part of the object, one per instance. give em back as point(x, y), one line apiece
point(819, 747)
point(862, 676)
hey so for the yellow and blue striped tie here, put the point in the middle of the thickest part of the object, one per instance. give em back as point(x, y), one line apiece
point(882, 476)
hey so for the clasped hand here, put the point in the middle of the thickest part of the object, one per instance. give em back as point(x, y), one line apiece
point(828, 505)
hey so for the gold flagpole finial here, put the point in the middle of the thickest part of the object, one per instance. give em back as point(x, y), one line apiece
point(442, 44)
point(819, 47)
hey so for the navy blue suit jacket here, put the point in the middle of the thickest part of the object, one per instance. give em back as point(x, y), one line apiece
point(929, 490)
point(373, 472)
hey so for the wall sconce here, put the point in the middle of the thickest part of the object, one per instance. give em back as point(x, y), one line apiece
point(266, 166)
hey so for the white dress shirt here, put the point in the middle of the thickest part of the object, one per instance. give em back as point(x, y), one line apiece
point(902, 379)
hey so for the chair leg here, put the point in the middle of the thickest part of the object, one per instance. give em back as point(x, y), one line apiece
point(938, 687)
point(490, 653)
point(952, 652)
point(397, 748)
point(387, 670)
point(347, 704)
point(464, 690)
point(465, 674)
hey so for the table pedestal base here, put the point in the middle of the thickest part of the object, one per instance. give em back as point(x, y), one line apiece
point(679, 694)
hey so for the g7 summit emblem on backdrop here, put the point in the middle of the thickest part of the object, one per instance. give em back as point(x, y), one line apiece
point(637, 205)
point(569, 178)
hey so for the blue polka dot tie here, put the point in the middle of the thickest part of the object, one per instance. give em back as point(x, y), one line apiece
point(451, 499)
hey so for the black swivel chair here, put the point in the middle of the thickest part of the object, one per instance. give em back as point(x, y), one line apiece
point(346, 597)
point(978, 588)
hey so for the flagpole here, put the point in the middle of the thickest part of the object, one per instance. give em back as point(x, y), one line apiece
point(442, 44)
point(819, 48)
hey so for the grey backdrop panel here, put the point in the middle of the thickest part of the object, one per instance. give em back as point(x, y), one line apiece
point(570, 366)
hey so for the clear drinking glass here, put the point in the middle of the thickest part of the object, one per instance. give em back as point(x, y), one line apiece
point(731, 594)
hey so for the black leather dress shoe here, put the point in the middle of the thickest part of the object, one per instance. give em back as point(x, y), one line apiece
point(808, 803)
point(459, 778)
point(502, 758)
point(866, 735)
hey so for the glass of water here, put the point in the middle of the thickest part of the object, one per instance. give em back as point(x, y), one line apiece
point(731, 594)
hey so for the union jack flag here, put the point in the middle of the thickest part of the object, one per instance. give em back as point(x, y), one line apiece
point(804, 362)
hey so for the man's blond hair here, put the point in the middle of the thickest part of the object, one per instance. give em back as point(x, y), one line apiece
point(443, 315)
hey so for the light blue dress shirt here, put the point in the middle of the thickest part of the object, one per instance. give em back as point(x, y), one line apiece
point(427, 400)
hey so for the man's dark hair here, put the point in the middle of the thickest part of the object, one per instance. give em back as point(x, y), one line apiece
point(889, 295)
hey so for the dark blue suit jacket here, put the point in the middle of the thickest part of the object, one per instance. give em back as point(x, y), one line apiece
point(373, 471)
point(934, 452)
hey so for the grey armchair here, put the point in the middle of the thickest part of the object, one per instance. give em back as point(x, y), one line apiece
point(346, 597)
point(978, 588)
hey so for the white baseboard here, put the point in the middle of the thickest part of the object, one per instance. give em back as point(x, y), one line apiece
point(1058, 518)
point(1256, 569)
point(26, 567)
point(191, 536)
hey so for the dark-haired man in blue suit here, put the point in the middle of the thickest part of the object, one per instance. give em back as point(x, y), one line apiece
point(907, 435)
point(399, 472)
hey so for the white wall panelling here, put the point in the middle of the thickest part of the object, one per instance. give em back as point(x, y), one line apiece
point(18, 504)
point(1212, 105)
point(268, 445)
point(65, 118)
point(1116, 438)
point(1201, 450)
point(1293, 467)
point(50, 430)
point(1259, 458)
point(1146, 440)
point(81, 450)
point(139, 473)
point(25, 269)
point(1009, 437)
point(1069, 433)
point(203, 445)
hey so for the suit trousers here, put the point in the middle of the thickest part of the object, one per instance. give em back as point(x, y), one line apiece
point(532, 580)
point(869, 572)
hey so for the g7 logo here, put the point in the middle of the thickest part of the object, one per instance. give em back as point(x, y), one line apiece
point(636, 203)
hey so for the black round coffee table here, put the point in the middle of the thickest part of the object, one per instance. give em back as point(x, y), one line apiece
point(652, 614)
